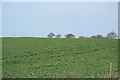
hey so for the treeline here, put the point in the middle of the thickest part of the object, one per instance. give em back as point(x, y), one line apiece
point(111, 35)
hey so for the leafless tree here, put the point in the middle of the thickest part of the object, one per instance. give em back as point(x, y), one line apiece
point(111, 35)
point(70, 36)
point(58, 36)
point(50, 35)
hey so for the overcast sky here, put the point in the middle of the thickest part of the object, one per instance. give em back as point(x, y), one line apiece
point(41, 18)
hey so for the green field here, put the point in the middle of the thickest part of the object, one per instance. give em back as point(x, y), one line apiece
point(59, 58)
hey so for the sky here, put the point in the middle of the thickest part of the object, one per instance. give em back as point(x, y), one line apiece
point(32, 19)
point(60, 0)
point(0, 18)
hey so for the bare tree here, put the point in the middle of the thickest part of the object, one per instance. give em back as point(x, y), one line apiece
point(111, 35)
point(58, 36)
point(50, 35)
point(81, 37)
point(70, 36)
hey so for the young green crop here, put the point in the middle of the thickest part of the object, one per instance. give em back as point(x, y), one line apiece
point(59, 58)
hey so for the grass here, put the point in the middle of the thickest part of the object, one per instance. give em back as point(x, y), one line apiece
point(0, 58)
point(59, 58)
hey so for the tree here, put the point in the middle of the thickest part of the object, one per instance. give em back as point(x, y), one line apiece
point(81, 37)
point(93, 37)
point(70, 36)
point(99, 36)
point(50, 35)
point(58, 36)
point(111, 35)
point(118, 36)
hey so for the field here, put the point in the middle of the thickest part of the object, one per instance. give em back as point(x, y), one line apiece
point(59, 58)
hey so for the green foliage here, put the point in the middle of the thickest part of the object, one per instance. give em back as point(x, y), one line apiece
point(59, 58)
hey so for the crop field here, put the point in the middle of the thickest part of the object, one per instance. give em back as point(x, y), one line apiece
point(59, 58)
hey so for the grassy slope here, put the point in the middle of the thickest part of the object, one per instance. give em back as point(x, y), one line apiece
point(44, 58)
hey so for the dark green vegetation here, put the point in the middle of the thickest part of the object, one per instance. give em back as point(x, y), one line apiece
point(59, 58)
